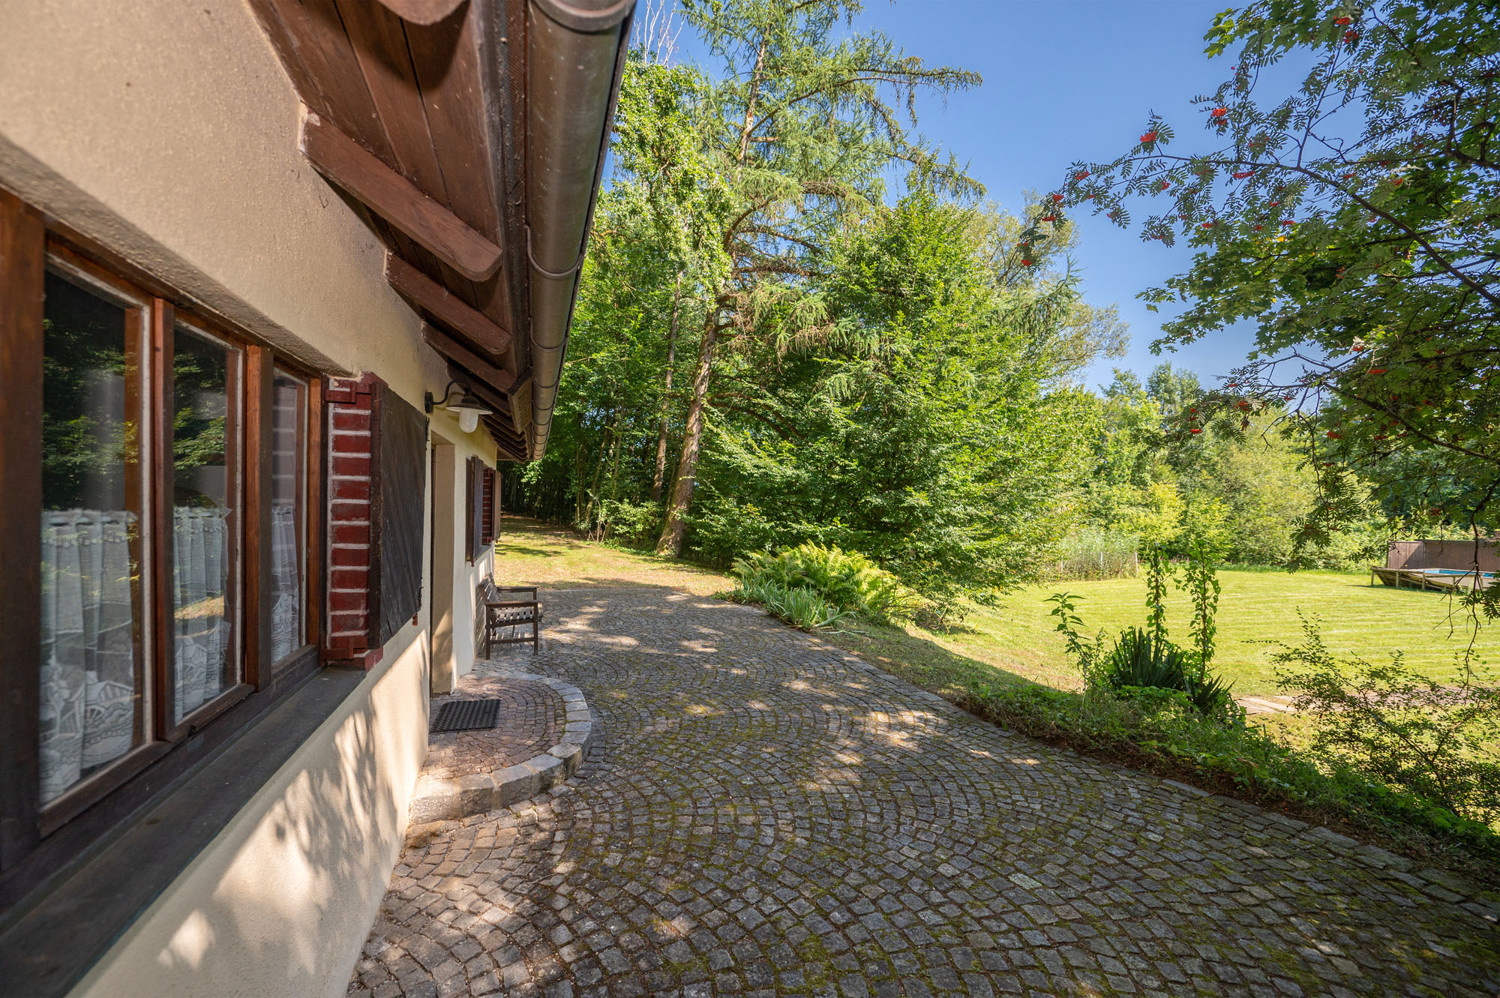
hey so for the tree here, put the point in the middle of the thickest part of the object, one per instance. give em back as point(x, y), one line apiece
point(799, 130)
point(1354, 220)
point(938, 442)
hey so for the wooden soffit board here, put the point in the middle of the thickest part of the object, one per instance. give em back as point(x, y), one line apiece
point(421, 11)
point(398, 90)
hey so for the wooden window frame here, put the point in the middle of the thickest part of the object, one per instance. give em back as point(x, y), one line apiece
point(307, 514)
point(35, 839)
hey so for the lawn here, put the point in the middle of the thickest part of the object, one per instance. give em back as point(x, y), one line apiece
point(1015, 641)
point(531, 553)
point(1256, 610)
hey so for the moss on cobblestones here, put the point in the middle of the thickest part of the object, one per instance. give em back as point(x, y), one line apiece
point(765, 817)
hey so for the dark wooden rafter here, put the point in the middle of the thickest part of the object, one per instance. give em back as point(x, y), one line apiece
point(411, 92)
point(503, 434)
point(476, 364)
point(440, 304)
point(507, 444)
point(418, 116)
point(491, 397)
point(361, 173)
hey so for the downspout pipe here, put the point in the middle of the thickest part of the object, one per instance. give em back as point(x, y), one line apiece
point(575, 56)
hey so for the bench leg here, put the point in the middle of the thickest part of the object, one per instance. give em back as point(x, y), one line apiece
point(533, 635)
point(488, 631)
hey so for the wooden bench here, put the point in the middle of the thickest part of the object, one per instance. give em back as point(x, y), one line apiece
point(502, 613)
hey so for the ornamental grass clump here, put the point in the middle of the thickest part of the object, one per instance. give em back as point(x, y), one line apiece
point(847, 581)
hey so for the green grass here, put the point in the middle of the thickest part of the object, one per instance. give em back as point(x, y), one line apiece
point(1015, 642)
point(1255, 609)
point(532, 553)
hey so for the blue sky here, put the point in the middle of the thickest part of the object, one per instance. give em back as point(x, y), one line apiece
point(1067, 80)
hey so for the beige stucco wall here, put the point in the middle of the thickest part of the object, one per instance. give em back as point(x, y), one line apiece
point(461, 623)
point(465, 576)
point(167, 132)
point(282, 899)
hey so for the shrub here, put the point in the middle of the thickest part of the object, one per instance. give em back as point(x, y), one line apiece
point(1140, 661)
point(846, 580)
point(637, 524)
point(1434, 740)
point(1095, 553)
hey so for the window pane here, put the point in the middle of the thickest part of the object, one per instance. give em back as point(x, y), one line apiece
point(288, 513)
point(205, 521)
point(92, 680)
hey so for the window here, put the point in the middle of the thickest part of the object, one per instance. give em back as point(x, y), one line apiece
point(207, 462)
point(477, 506)
point(286, 596)
point(163, 575)
point(490, 529)
point(92, 703)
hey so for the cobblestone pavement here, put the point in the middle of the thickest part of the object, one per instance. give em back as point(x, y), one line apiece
point(767, 816)
point(531, 721)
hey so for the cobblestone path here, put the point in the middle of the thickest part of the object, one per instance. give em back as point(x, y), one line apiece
point(766, 816)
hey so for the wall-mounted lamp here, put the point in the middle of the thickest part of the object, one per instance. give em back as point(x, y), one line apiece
point(468, 407)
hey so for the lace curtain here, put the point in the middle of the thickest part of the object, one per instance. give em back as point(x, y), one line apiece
point(286, 582)
point(200, 569)
point(88, 644)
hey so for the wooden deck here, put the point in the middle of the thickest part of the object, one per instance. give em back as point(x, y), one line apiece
point(1416, 578)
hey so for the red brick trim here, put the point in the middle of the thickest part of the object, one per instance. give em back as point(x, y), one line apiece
point(350, 407)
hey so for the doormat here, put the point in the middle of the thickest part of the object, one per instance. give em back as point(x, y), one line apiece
point(466, 715)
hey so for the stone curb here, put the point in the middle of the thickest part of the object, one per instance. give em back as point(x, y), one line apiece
point(445, 800)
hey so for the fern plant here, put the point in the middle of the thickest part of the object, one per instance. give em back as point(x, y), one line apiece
point(846, 580)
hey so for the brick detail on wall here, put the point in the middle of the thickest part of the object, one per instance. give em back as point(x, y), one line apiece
point(349, 405)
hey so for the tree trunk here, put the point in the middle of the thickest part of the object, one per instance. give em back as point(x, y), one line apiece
point(579, 460)
point(666, 404)
point(673, 530)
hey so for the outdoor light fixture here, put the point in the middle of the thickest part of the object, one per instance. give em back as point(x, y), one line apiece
point(468, 407)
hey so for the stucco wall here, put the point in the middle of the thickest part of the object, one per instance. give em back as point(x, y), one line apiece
point(167, 132)
point(465, 576)
point(282, 899)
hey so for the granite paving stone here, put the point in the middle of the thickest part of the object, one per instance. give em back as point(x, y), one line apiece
point(763, 814)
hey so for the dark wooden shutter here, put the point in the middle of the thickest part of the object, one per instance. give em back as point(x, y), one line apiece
point(487, 524)
point(474, 509)
point(397, 499)
point(495, 506)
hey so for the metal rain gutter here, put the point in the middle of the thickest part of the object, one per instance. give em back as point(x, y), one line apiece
point(574, 60)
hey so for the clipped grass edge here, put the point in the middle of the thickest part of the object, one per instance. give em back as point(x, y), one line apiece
point(1251, 766)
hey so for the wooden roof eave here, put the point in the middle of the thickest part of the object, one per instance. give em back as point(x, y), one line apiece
point(401, 106)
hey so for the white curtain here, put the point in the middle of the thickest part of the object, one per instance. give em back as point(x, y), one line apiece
point(88, 644)
point(286, 580)
point(200, 569)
